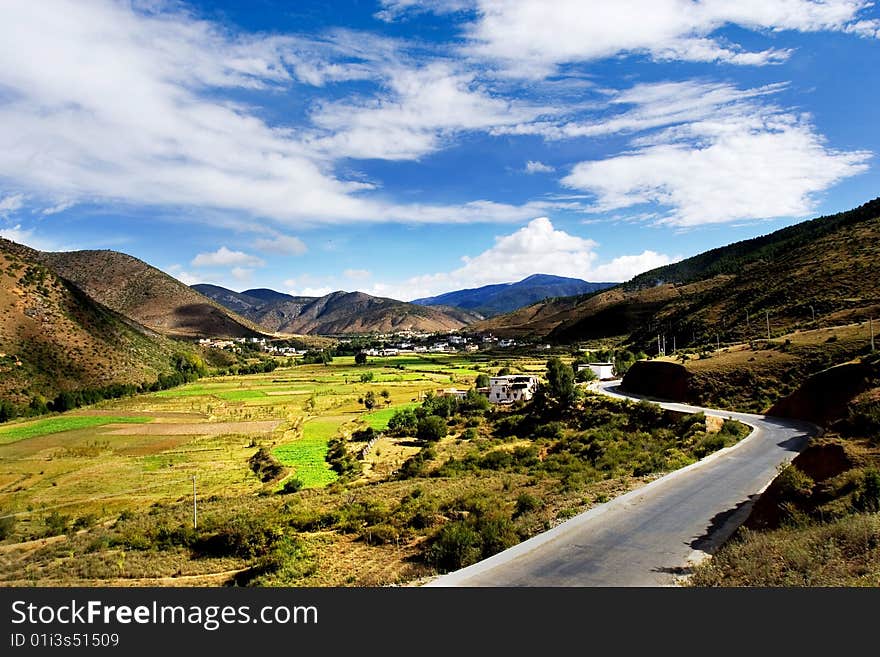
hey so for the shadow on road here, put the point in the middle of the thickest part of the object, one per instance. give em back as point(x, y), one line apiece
point(722, 525)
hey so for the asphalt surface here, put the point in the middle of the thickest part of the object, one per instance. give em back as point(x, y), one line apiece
point(653, 535)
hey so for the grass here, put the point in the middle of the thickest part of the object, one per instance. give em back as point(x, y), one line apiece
point(378, 420)
point(306, 455)
point(52, 425)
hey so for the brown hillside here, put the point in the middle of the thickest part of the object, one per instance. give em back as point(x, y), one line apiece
point(149, 296)
point(829, 266)
point(356, 312)
point(339, 313)
point(54, 338)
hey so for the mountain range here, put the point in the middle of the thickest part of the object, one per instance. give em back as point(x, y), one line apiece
point(336, 313)
point(491, 300)
point(828, 267)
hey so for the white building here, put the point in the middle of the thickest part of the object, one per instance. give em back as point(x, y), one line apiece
point(512, 388)
point(601, 370)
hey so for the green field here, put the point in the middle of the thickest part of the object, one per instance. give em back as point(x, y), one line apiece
point(378, 420)
point(52, 425)
point(306, 454)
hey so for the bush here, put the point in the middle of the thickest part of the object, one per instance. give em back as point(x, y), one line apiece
point(266, 466)
point(7, 526)
point(793, 483)
point(56, 524)
point(244, 537)
point(431, 428)
point(867, 498)
point(292, 486)
point(403, 422)
point(456, 545)
point(525, 503)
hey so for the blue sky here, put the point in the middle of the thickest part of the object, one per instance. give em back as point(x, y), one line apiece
point(409, 148)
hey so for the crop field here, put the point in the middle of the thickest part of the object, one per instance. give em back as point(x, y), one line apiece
point(11, 434)
point(306, 455)
point(209, 428)
point(100, 501)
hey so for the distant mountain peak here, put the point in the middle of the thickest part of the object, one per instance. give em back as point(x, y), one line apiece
point(501, 298)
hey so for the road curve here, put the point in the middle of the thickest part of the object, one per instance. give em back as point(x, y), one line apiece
point(652, 535)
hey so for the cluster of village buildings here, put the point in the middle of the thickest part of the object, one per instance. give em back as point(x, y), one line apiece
point(514, 388)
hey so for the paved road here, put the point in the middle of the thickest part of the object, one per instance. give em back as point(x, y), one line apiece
point(651, 535)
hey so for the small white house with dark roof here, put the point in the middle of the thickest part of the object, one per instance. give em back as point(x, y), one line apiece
point(512, 388)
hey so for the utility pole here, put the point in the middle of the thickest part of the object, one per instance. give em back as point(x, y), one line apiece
point(195, 508)
point(813, 310)
point(664, 344)
point(717, 343)
point(659, 352)
point(871, 322)
point(673, 345)
point(768, 323)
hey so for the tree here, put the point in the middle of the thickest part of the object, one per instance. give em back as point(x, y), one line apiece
point(585, 375)
point(370, 400)
point(360, 358)
point(431, 428)
point(385, 394)
point(7, 411)
point(482, 381)
point(403, 422)
point(560, 383)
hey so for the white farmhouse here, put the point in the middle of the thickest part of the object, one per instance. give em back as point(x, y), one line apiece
point(512, 388)
point(601, 370)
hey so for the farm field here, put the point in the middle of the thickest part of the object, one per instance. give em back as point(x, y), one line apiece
point(110, 503)
point(146, 448)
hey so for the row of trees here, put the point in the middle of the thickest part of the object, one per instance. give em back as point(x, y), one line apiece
point(186, 367)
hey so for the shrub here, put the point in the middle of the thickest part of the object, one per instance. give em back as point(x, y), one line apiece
point(7, 526)
point(431, 428)
point(525, 503)
point(266, 466)
point(456, 545)
point(56, 523)
point(292, 486)
point(244, 537)
point(793, 483)
point(403, 422)
point(867, 498)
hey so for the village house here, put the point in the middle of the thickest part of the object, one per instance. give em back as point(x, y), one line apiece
point(512, 388)
point(601, 370)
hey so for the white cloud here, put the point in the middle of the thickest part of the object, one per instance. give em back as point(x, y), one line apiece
point(242, 274)
point(422, 107)
point(185, 277)
point(537, 248)
point(307, 285)
point(11, 203)
point(625, 267)
point(395, 9)
point(58, 207)
point(533, 37)
point(225, 257)
point(533, 166)
point(281, 245)
point(106, 103)
point(722, 155)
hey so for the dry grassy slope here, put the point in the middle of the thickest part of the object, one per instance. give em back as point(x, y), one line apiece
point(356, 312)
point(830, 263)
point(339, 313)
point(612, 312)
point(147, 295)
point(53, 337)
